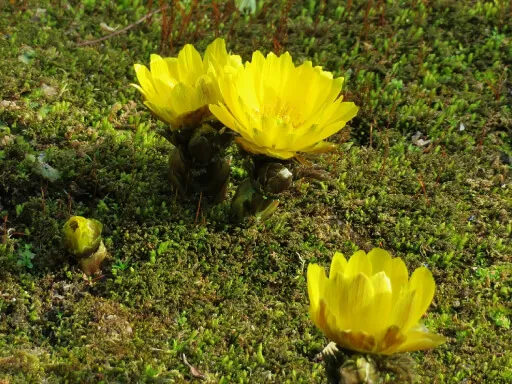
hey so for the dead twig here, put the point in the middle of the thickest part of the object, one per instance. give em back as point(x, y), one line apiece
point(127, 28)
point(193, 370)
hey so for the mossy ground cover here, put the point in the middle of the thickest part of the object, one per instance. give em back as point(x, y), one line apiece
point(423, 171)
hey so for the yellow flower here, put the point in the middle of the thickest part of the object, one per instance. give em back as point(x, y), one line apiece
point(178, 90)
point(369, 304)
point(279, 109)
point(82, 236)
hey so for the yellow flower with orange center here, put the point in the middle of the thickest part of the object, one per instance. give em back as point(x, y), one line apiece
point(370, 305)
point(280, 109)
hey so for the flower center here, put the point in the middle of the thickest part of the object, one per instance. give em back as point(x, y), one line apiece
point(282, 111)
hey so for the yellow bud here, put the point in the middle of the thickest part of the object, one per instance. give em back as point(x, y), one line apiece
point(82, 236)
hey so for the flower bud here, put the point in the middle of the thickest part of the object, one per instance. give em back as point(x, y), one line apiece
point(202, 145)
point(274, 178)
point(359, 370)
point(249, 201)
point(82, 236)
point(177, 171)
point(218, 173)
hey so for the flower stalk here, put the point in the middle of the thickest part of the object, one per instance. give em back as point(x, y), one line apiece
point(347, 367)
point(198, 162)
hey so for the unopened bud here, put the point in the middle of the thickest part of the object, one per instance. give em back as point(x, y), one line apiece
point(274, 178)
point(82, 236)
point(249, 201)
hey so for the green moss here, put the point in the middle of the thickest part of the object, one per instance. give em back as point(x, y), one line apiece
point(232, 297)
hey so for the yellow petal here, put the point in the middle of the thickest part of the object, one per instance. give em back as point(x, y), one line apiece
point(381, 283)
point(159, 69)
point(249, 146)
point(398, 275)
point(320, 147)
point(354, 340)
point(207, 91)
point(378, 317)
point(327, 90)
point(232, 101)
point(380, 260)
point(183, 98)
point(224, 116)
point(190, 65)
point(338, 265)
point(335, 117)
point(215, 53)
point(344, 111)
point(145, 80)
point(216, 58)
point(172, 67)
point(337, 299)
point(422, 283)
point(248, 90)
point(139, 88)
point(358, 263)
point(403, 308)
point(166, 114)
point(356, 303)
point(321, 89)
point(316, 281)
point(390, 341)
point(163, 92)
point(420, 340)
point(257, 61)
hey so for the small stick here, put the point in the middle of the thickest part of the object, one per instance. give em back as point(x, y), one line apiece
point(142, 19)
point(198, 207)
point(420, 180)
point(43, 202)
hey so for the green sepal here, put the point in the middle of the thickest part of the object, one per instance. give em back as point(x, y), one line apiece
point(91, 264)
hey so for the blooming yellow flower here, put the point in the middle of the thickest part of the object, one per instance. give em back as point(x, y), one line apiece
point(178, 90)
point(369, 304)
point(279, 109)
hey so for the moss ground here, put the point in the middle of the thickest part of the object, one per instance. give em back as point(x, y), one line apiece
point(75, 139)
